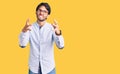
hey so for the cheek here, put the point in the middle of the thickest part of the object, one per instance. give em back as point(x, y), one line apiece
point(37, 14)
point(46, 16)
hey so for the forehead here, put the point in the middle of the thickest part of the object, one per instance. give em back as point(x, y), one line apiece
point(42, 7)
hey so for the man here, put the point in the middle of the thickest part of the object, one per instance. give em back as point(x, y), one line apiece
point(41, 35)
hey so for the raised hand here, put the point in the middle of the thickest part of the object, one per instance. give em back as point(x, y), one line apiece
point(27, 26)
point(56, 27)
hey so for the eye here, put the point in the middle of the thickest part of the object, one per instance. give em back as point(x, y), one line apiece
point(44, 11)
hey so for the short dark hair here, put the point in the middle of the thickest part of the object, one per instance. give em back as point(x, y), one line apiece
point(47, 6)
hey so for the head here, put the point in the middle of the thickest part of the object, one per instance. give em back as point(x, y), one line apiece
point(43, 10)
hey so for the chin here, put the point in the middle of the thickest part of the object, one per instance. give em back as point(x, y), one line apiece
point(41, 20)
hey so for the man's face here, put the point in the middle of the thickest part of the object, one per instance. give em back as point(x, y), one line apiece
point(42, 13)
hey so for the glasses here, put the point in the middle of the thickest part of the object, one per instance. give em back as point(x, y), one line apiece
point(44, 11)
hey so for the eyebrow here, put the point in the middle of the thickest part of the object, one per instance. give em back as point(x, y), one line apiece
point(43, 10)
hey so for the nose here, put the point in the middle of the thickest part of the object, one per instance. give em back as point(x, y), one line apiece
point(41, 13)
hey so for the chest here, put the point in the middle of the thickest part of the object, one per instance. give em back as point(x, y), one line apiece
point(43, 35)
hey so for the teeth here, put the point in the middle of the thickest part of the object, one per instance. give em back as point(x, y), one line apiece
point(40, 16)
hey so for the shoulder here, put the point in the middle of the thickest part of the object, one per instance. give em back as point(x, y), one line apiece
point(49, 25)
point(34, 24)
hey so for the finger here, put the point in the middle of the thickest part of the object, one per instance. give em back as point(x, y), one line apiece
point(53, 25)
point(29, 25)
point(29, 28)
point(27, 22)
point(55, 22)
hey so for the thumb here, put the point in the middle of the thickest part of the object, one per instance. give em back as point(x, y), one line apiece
point(55, 22)
point(28, 22)
point(29, 27)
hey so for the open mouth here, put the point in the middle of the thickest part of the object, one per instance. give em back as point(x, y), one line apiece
point(40, 16)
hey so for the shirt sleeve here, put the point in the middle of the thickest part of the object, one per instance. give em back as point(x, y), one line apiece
point(23, 39)
point(59, 40)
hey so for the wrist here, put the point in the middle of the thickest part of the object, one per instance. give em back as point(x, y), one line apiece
point(23, 30)
point(58, 32)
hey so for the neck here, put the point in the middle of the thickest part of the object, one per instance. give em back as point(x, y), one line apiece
point(41, 23)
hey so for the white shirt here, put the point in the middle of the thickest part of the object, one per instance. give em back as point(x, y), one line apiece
point(41, 46)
